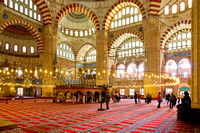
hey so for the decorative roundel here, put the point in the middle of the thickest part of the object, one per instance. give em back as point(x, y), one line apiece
point(5, 16)
point(40, 30)
point(140, 29)
point(111, 36)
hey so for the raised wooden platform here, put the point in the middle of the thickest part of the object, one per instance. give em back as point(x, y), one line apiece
point(6, 125)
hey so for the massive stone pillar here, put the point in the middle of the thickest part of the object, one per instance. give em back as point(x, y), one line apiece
point(153, 64)
point(2, 6)
point(50, 39)
point(195, 89)
point(101, 57)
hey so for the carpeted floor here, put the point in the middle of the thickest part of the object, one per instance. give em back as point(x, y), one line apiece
point(125, 116)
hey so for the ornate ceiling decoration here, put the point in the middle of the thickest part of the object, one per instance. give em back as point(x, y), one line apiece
point(77, 15)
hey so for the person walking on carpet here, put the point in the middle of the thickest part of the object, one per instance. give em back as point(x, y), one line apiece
point(107, 100)
point(159, 99)
point(172, 99)
point(148, 97)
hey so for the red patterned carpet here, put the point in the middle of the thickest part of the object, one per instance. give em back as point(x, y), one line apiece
point(125, 116)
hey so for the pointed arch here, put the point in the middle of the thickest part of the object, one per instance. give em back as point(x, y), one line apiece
point(46, 16)
point(81, 8)
point(119, 39)
point(154, 7)
point(29, 27)
point(116, 7)
point(184, 24)
point(83, 50)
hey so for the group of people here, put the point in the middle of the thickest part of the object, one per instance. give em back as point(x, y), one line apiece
point(172, 99)
point(186, 101)
point(137, 98)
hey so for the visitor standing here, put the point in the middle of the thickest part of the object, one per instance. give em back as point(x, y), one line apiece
point(186, 106)
point(167, 98)
point(136, 96)
point(159, 99)
point(139, 97)
point(172, 99)
point(107, 100)
point(148, 98)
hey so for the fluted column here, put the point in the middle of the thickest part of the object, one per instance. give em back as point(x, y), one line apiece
point(195, 89)
point(50, 39)
point(153, 52)
point(101, 57)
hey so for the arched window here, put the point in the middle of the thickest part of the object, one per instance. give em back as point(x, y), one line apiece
point(66, 31)
point(90, 32)
point(91, 56)
point(81, 33)
point(16, 6)
point(129, 13)
point(63, 29)
point(7, 46)
point(141, 69)
point(24, 49)
point(112, 24)
point(64, 51)
point(30, 7)
point(86, 33)
point(182, 6)
point(180, 41)
point(184, 67)
point(21, 9)
point(16, 48)
point(171, 67)
point(132, 69)
point(71, 32)
point(93, 30)
point(174, 8)
point(76, 33)
point(32, 49)
point(166, 10)
point(189, 3)
point(120, 71)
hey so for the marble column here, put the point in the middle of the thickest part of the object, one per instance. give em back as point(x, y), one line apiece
point(101, 57)
point(195, 89)
point(50, 39)
point(152, 65)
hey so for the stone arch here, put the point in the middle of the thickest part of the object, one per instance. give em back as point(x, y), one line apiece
point(46, 16)
point(116, 7)
point(83, 50)
point(67, 95)
point(184, 24)
point(154, 7)
point(189, 59)
point(81, 8)
point(121, 36)
point(120, 64)
point(29, 27)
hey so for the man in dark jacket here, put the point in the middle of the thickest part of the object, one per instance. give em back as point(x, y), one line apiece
point(107, 100)
point(172, 99)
